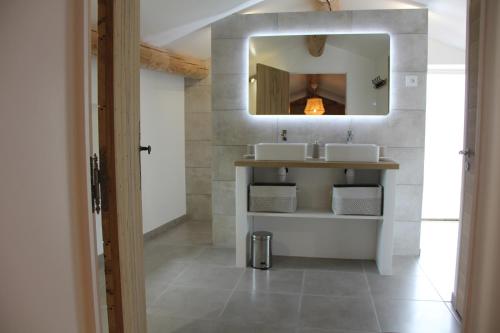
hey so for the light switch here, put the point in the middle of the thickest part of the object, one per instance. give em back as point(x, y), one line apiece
point(411, 81)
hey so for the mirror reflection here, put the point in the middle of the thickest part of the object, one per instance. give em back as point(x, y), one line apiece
point(319, 75)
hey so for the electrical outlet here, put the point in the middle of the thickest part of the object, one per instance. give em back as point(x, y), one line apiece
point(411, 81)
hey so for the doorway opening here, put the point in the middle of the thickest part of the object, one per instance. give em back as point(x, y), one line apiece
point(442, 175)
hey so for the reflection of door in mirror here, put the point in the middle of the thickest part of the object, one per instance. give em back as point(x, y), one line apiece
point(273, 86)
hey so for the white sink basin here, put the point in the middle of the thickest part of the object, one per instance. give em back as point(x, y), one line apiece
point(281, 151)
point(351, 152)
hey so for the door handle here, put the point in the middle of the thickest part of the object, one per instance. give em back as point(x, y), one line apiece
point(147, 148)
point(467, 152)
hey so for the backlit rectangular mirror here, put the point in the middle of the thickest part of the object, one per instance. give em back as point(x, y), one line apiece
point(319, 75)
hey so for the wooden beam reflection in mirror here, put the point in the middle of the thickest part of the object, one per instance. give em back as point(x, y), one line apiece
point(316, 44)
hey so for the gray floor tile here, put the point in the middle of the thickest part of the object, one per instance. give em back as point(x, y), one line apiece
point(157, 280)
point(301, 263)
point(185, 237)
point(336, 283)
point(334, 300)
point(439, 252)
point(217, 256)
point(223, 327)
point(415, 317)
point(318, 330)
point(262, 308)
point(158, 255)
point(209, 276)
point(280, 281)
point(411, 287)
point(158, 322)
point(343, 313)
point(192, 302)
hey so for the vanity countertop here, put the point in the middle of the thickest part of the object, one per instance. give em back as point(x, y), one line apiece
point(383, 164)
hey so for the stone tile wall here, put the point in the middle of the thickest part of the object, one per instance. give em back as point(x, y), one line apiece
point(198, 126)
point(402, 131)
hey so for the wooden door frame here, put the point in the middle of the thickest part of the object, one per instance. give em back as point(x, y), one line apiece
point(89, 230)
point(118, 99)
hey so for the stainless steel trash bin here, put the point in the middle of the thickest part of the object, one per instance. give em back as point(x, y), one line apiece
point(261, 249)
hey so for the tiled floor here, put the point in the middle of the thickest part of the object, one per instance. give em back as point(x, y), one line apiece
point(193, 287)
point(438, 242)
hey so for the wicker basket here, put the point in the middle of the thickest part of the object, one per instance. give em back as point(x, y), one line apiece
point(357, 199)
point(274, 198)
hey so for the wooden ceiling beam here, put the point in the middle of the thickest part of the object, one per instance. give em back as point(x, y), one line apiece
point(316, 43)
point(158, 59)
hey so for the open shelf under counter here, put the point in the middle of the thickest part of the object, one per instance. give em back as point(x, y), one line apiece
point(316, 214)
point(311, 232)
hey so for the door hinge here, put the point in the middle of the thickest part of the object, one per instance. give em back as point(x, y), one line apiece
point(95, 184)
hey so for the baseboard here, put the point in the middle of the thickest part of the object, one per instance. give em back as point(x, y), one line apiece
point(152, 233)
point(164, 227)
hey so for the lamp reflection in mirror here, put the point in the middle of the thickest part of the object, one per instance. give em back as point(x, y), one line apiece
point(314, 106)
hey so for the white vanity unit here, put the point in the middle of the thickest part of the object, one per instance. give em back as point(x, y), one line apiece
point(314, 230)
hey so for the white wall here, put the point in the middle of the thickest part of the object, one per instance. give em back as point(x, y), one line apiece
point(162, 127)
point(45, 261)
point(444, 54)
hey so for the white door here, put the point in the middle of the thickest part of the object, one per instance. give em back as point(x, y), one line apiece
point(474, 45)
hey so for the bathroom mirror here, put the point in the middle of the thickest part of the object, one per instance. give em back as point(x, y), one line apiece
point(319, 75)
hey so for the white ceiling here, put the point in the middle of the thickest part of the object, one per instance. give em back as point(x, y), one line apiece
point(183, 26)
point(165, 21)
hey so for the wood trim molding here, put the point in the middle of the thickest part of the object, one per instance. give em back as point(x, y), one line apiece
point(319, 164)
point(118, 97)
point(158, 59)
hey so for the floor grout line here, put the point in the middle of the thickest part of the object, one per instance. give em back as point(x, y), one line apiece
point(301, 297)
point(231, 293)
point(188, 263)
point(362, 269)
point(443, 301)
point(169, 284)
point(372, 300)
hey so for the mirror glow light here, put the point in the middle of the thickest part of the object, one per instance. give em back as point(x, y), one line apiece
point(360, 57)
point(349, 119)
